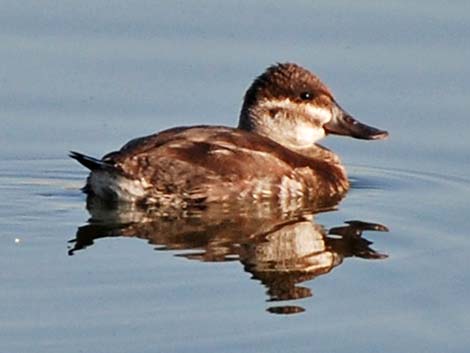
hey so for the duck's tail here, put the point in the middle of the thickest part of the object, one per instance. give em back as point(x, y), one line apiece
point(91, 163)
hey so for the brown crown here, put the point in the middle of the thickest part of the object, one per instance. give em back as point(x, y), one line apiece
point(285, 81)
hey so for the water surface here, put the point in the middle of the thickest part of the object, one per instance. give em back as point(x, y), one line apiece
point(89, 76)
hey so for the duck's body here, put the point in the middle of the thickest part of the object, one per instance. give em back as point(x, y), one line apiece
point(272, 155)
point(187, 166)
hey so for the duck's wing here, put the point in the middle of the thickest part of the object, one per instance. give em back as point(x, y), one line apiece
point(217, 164)
point(200, 162)
point(212, 147)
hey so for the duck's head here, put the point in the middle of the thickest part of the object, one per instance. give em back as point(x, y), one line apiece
point(290, 105)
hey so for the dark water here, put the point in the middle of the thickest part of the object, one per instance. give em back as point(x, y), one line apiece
point(89, 76)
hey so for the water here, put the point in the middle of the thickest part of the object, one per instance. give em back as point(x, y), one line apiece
point(89, 76)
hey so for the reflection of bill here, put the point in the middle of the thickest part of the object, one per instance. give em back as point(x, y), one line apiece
point(279, 249)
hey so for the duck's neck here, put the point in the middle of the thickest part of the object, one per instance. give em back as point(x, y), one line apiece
point(293, 131)
point(325, 162)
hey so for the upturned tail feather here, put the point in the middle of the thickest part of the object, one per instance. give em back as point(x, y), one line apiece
point(89, 162)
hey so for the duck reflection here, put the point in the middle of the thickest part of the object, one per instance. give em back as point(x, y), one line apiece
point(279, 249)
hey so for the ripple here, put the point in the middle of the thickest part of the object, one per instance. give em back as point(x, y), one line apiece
point(29, 183)
point(377, 178)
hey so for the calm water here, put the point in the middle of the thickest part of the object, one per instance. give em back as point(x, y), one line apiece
point(90, 75)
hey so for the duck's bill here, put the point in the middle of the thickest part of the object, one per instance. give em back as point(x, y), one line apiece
point(344, 124)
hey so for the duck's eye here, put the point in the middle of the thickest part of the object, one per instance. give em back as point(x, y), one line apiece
point(306, 96)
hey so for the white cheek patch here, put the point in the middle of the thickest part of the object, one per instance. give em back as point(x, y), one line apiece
point(307, 135)
point(323, 115)
point(306, 124)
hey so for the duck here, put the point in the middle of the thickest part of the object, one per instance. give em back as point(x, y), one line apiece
point(273, 153)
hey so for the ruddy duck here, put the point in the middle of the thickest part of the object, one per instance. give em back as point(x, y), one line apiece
point(272, 154)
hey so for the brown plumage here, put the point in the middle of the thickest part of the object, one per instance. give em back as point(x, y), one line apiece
point(272, 155)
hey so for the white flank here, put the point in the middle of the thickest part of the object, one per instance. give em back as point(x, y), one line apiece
point(261, 189)
point(106, 186)
point(290, 194)
point(290, 188)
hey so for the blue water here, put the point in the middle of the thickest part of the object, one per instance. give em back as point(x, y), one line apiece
point(91, 75)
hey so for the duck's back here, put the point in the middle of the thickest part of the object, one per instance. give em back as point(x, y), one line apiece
point(185, 166)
